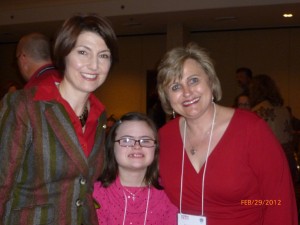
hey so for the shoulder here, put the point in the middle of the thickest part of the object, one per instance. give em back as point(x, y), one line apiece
point(238, 117)
point(171, 125)
point(160, 197)
point(16, 107)
point(246, 117)
point(162, 204)
point(247, 124)
point(19, 97)
point(97, 185)
point(253, 127)
point(99, 191)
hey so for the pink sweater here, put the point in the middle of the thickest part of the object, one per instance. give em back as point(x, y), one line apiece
point(113, 204)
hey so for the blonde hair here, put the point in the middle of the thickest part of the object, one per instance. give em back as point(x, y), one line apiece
point(171, 67)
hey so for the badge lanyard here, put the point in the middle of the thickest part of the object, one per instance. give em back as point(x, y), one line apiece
point(206, 161)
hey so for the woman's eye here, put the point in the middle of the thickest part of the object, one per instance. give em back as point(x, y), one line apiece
point(82, 52)
point(105, 56)
point(194, 80)
point(175, 87)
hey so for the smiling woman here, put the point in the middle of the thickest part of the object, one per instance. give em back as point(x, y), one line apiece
point(87, 64)
point(215, 146)
point(58, 128)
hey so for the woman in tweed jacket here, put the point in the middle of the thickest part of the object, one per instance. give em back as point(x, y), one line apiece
point(51, 136)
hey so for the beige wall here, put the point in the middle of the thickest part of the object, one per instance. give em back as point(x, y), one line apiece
point(125, 89)
point(275, 52)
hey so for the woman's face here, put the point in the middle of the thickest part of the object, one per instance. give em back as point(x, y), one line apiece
point(136, 157)
point(88, 63)
point(191, 95)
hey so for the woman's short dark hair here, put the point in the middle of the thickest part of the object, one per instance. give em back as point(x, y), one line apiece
point(110, 169)
point(68, 34)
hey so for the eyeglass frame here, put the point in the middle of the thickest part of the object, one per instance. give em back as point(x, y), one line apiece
point(135, 141)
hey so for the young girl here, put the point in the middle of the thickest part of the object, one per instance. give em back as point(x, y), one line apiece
point(129, 191)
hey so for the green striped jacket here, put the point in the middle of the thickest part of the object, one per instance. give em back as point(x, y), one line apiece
point(45, 178)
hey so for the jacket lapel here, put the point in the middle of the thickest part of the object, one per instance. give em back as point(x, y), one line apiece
point(59, 121)
point(96, 157)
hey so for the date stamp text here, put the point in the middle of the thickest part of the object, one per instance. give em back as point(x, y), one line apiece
point(260, 202)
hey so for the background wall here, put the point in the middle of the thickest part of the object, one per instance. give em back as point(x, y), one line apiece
point(273, 51)
point(8, 66)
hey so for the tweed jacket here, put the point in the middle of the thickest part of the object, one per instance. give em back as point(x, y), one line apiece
point(45, 178)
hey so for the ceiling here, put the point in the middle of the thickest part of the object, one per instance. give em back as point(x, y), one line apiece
point(136, 17)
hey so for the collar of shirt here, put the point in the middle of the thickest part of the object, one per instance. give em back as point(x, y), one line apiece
point(38, 73)
point(49, 92)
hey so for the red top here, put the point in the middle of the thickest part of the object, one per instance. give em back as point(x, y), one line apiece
point(47, 90)
point(247, 164)
point(43, 73)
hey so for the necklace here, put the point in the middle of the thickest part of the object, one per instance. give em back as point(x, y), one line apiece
point(133, 195)
point(83, 117)
point(147, 205)
point(193, 151)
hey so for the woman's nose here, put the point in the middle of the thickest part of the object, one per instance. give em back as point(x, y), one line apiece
point(186, 90)
point(93, 63)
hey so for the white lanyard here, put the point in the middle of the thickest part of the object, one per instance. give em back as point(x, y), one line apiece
point(125, 209)
point(206, 161)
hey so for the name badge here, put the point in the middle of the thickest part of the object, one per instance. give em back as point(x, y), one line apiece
point(186, 219)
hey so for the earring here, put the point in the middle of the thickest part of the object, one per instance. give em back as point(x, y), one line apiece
point(212, 99)
point(174, 114)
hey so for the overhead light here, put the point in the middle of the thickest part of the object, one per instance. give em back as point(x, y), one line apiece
point(287, 15)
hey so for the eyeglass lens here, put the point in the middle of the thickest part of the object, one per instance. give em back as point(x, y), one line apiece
point(129, 142)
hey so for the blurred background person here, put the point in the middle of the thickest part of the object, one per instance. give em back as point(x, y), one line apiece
point(243, 77)
point(267, 102)
point(34, 59)
point(242, 101)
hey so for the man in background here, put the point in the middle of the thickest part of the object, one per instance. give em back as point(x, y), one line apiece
point(34, 59)
point(243, 77)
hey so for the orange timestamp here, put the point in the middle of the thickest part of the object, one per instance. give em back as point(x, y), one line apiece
point(260, 202)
